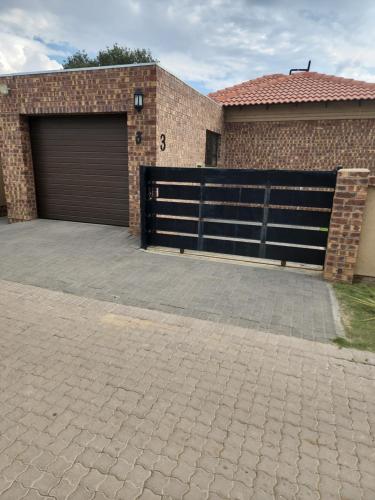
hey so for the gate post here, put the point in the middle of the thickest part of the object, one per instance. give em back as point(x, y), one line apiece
point(143, 204)
point(346, 223)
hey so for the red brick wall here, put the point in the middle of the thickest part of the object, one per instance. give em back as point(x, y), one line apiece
point(183, 115)
point(92, 91)
point(304, 144)
point(170, 107)
point(346, 224)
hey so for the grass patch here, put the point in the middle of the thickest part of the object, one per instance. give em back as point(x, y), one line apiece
point(357, 304)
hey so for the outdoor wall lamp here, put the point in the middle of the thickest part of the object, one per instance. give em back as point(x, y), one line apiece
point(138, 100)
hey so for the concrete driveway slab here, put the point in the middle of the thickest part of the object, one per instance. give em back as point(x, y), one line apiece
point(104, 262)
point(105, 401)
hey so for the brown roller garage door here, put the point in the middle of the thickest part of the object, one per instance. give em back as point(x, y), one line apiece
point(81, 168)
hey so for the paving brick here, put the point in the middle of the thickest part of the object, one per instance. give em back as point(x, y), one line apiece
point(59, 467)
point(4, 484)
point(232, 413)
point(148, 495)
point(175, 488)
point(193, 282)
point(241, 492)
point(75, 473)
point(62, 490)
point(128, 492)
point(46, 482)
point(43, 460)
point(14, 470)
point(138, 475)
point(156, 482)
point(15, 491)
point(110, 486)
point(81, 493)
point(30, 476)
point(93, 479)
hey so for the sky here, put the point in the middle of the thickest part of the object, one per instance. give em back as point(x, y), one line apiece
point(210, 44)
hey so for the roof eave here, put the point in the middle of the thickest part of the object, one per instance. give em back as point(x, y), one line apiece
point(306, 101)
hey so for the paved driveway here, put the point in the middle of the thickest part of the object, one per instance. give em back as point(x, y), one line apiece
point(103, 401)
point(104, 262)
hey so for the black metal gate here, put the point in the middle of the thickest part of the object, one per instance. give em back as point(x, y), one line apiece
point(281, 215)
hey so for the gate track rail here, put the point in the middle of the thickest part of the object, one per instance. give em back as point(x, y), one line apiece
point(273, 214)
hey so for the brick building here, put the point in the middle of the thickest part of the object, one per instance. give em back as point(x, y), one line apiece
point(306, 121)
point(299, 121)
point(71, 141)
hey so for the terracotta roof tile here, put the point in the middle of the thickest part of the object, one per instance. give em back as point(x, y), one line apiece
point(298, 87)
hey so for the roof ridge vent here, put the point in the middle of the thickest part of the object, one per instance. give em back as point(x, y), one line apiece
point(294, 70)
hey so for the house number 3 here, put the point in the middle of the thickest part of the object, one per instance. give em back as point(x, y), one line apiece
point(162, 142)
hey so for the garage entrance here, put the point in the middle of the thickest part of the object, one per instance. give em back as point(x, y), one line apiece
point(81, 168)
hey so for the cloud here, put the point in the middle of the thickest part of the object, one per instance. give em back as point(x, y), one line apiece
point(210, 44)
point(20, 48)
point(19, 54)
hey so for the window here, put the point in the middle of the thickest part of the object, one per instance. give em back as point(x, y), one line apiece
point(212, 148)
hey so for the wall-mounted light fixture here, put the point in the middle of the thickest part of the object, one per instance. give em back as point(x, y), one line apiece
point(138, 100)
point(4, 89)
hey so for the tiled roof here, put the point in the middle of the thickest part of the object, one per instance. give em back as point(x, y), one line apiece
point(298, 87)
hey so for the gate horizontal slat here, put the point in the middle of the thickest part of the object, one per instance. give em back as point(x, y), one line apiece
point(232, 212)
point(209, 245)
point(176, 225)
point(297, 236)
point(231, 247)
point(219, 194)
point(178, 192)
point(244, 231)
point(295, 254)
point(299, 217)
point(274, 252)
point(239, 195)
point(302, 179)
point(317, 199)
point(248, 176)
point(175, 241)
point(171, 208)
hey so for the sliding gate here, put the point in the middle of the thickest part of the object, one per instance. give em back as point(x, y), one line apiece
point(281, 215)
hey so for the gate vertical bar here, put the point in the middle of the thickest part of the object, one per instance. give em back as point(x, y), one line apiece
point(200, 217)
point(143, 202)
point(263, 231)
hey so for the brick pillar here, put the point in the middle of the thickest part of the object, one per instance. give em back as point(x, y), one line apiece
point(16, 161)
point(143, 153)
point(346, 222)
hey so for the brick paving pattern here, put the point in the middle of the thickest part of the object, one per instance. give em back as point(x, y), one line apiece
point(105, 263)
point(104, 401)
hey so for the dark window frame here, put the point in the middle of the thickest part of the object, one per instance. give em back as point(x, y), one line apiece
point(212, 148)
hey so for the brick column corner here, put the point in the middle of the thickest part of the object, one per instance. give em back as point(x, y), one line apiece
point(346, 223)
point(17, 168)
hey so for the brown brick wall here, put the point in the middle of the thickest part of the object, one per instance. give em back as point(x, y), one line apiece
point(17, 167)
point(170, 107)
point(346, 224)
point(183, 115)
point(93, 91)
point(305, 144)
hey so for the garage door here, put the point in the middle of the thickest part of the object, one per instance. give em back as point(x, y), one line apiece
point(81, 168)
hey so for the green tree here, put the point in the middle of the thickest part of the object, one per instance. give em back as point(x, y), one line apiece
point(111, 56)
point(79, 59)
